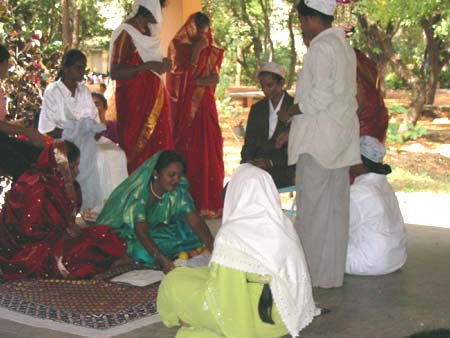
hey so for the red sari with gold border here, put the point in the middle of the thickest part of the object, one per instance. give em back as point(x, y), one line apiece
point(197, 133)
point(34, 223)
point(143, 110)
point(374, 118)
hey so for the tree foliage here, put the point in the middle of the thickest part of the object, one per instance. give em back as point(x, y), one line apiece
point(250, 32)
point(410, 38)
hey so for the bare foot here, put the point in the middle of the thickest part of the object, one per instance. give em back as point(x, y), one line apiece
point(183, 324)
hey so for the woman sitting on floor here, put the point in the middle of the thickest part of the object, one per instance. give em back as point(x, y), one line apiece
point(153, 211)
point(38, 234)
point(258, 283)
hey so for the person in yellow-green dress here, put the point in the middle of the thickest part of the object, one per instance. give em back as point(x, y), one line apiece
point(257, 284)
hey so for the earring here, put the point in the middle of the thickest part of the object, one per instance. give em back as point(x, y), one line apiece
point(155, 177)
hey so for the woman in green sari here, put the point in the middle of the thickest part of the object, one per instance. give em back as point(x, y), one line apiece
point(153, 212)
point(257, 284)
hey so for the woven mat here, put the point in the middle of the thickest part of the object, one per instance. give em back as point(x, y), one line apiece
point(91, 308)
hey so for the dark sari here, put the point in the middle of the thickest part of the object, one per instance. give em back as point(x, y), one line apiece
point(374, 118)
point(197, 133)
point(36, 220)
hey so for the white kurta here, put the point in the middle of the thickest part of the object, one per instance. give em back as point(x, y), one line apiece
point(102, 164)
point(328, 129)
point(377, 237)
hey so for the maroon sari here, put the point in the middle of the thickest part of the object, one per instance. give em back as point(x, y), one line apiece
point(373, 118)
point(197, 133)
point(143, 112)
point(34, 223)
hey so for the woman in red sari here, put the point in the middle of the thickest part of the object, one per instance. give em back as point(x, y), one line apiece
point(373, 115)
point(191, 85)
point(38, 234)
point(143, 111)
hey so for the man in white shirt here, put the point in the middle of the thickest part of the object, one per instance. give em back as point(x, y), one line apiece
point(377, 236)
point(323, 141)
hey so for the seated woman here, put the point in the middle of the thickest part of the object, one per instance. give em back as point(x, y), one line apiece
point(377, 235)
point(153, 211)
point(111, 126)
point(38, 234)
point(68, 111)
point(258, 283)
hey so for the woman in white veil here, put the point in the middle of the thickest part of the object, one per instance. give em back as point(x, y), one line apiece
point(136, 63)
point(257, 284)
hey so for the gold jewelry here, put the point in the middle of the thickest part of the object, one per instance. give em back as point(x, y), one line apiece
point(153, 192)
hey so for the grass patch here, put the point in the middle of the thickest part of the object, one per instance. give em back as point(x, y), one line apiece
point(403, 180)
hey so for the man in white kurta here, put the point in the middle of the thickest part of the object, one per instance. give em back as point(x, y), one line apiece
point(377, 236)
point(102, 163)
point(324, 142)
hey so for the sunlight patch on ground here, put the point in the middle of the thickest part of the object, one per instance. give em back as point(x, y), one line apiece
point(425, 208)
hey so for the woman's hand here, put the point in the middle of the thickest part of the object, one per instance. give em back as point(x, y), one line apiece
point(281, 139)
point(166, 65)
point(167, 265)
point(73, 230)
point(206, 81)
point(35, 137)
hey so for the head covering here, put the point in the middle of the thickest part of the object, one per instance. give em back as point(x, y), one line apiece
point(326, 7)
point(153, 6)
point(257, 237)
point(372, 153)
point(273, 67)
point(148, 47)
point(372, 149)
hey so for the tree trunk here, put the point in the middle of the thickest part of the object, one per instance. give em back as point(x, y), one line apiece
point(268, 37)
point(76, 29)
point(237, 81)
point(292, 74)
point(66, 29)
point(432, 65)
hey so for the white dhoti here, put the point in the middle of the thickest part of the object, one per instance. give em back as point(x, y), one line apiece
point(322, 219)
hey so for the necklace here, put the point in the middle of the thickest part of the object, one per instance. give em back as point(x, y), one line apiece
point(153, 192)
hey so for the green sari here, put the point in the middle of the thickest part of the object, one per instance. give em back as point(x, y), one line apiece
point(130, 203)
point(217, 302)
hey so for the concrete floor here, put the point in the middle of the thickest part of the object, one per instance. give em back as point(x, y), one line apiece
point(413, 299)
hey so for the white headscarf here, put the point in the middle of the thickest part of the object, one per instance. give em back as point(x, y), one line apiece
point(372, 149)
point(257, 237)
point(148, 47)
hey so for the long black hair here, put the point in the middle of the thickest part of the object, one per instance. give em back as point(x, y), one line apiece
point(202, 20)
point(71, 57)
point(265, 305)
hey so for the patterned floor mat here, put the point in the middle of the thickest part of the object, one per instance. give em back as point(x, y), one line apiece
point(95, 304)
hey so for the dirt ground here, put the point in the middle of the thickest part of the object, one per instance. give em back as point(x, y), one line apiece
point(428, 157)
point(419, 165)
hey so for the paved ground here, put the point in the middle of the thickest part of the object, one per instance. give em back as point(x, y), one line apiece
point(413, 299)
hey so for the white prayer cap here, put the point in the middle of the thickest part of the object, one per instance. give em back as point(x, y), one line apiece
point(273, 67)
point(152, 5)
point(323, 6)
point(372, 149)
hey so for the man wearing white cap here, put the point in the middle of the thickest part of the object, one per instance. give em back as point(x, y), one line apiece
point(323, 141)
point(377, 236)
point(263, 127)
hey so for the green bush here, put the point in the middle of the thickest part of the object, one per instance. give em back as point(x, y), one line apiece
point(412, 133)
point(444, 79)
point(392, 81)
